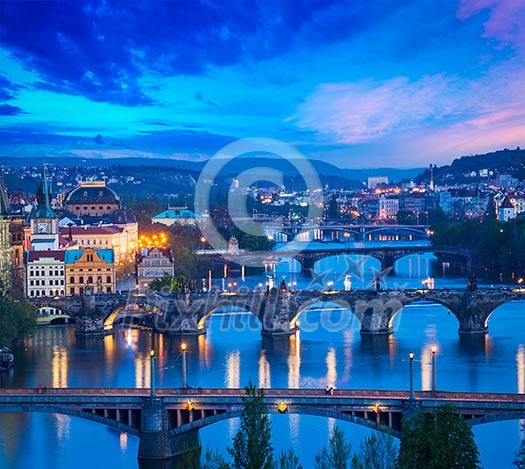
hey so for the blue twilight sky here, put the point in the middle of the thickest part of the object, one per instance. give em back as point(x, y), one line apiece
point(398, 83)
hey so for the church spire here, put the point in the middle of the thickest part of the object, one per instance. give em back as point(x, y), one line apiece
point(43, 196)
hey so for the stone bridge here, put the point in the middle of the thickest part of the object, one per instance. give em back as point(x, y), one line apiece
point(167, 421)
point(308, 257)
point(279, 310)
point(342, 231)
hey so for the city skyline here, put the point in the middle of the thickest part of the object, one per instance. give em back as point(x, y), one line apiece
point(372, 85)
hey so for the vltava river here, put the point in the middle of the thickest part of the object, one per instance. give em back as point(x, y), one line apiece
point(233, 352)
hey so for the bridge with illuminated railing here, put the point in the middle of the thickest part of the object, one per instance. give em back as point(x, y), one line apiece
point(167, 421)
point(338, 231)
point(278, 310)
point(387, 255)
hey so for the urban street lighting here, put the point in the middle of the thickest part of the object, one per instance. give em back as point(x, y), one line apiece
point(411, 356)
point(152, 372)
point(183, 348)
point(434, 351)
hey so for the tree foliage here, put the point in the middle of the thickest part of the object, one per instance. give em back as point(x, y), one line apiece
point(337, 454)
point(251, 447)
point(439, 439)
point(212, 459)
point(498, 245)
point(519, 459)
point(378, 451)
point(288, 460)
point(16, 318)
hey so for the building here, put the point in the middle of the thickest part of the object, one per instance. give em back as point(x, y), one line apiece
point(179, 215)
point(516, 199)
point(5, 241)
point(388, 206)
point(89, 269)
point(154, 263)
point(92, 198)
point(44, 220)
point(118, 238)
point(506, 210)
point(45, 274)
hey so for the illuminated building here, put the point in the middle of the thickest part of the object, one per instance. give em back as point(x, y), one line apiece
point(154, 263)
point(89, 268)
point(179, 215)
point(123, 243)
point(92, 198)
point(45, 273)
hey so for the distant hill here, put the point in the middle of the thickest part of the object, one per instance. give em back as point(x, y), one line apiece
point(330, 174)
point(499, 162)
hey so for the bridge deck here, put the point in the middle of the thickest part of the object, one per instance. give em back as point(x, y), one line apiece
point(195, 393)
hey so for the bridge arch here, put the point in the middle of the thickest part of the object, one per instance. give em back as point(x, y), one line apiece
point(292, 409)
point(496, 417)
point(521, 302)
point(56, 409)
point(316, 301)
point(236, 308)
point(422, 300)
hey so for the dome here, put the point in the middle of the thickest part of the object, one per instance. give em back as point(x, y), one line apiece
point(92, 193)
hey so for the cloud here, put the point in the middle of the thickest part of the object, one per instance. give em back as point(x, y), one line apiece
point(433, 116)
point(199, 96)
point(366, 110)
point(8, 110)
point(505, 19)
point(103, 50)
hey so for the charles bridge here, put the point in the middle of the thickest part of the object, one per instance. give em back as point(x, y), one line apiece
point(167, 421)
point(277, 309)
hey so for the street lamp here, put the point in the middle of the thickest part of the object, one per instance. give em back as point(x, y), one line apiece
point(411, 356)
point(152, 372)
point(183, 347)
point(434, 351)
point(270, 239)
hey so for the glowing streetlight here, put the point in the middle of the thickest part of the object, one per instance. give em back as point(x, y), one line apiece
point(183, 348)
point(411, 356)
point(434, 351)
point(152, 372)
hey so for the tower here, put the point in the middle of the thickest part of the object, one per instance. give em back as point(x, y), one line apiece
point(5, 240)
point(44, 220)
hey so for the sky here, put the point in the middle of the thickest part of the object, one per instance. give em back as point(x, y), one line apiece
point(376, 83)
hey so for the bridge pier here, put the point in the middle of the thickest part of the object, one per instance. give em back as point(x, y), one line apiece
point(155, 444)
point(88, 321)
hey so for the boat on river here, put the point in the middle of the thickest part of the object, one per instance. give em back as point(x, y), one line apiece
point(7, 359)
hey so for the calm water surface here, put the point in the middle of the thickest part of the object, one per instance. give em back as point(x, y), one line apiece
point(233, 352)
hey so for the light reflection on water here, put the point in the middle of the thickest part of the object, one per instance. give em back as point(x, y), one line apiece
point(312, 358)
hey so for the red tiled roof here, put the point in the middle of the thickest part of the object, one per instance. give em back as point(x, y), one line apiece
point(91, 230)
point(36, 255)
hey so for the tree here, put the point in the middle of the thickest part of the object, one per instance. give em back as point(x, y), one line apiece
point(252, 448)
point(213, 460)
point(16, 318)
point(378, 451)
point(161, 284)
point(288, 460)
point(338, 453)
point(439, 439)
point(519, 460)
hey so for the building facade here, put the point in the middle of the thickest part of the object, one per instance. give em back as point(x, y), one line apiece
point(154, 263)
point(92, 198)
point(45, 274)
point(89, 269)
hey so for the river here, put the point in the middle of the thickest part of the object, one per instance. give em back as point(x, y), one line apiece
point(233, 352)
